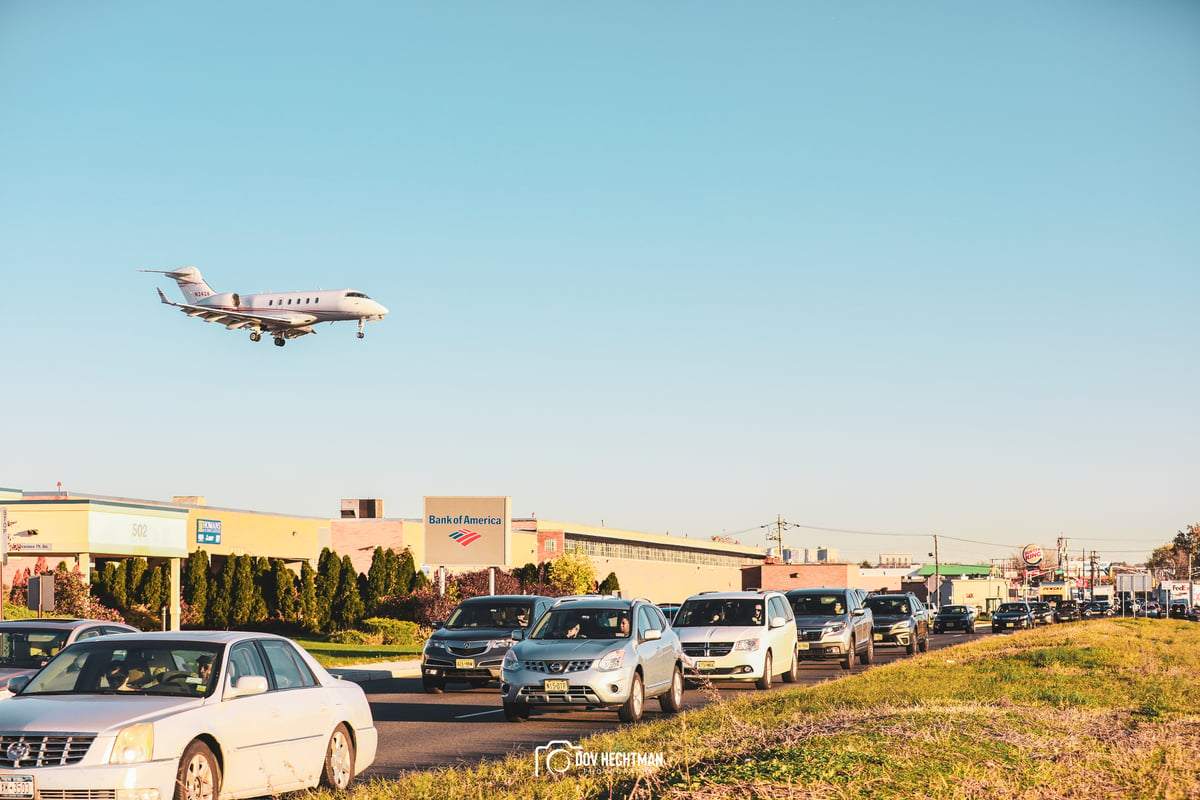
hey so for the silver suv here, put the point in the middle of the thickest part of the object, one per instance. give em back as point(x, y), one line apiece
point(594, 652)
point(738, 636)
point(833, 625)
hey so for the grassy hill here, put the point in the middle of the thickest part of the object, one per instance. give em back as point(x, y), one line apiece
point(1103, 709)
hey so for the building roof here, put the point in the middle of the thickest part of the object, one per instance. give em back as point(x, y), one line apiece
point(954, 570)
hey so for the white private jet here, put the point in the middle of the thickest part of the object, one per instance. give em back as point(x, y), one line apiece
point(284, 315)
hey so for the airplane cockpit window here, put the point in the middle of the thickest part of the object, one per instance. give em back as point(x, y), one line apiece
point(357, 294)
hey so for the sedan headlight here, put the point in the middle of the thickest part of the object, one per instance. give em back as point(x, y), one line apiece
point(611, 660)
point(746, 644)
point(133, 745)
point(510, 661)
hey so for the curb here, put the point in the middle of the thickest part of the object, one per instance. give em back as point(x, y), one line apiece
point(364, 673)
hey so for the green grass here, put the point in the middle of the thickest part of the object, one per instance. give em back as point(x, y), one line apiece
point(1103, 709)
point(331, 654)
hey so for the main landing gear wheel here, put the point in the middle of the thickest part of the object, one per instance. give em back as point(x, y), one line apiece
point(279, 341)
point(255, 336)
point(362, 335)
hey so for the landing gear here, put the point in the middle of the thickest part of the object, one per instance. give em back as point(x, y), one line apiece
point(360, 327)
point(279, 341)
point(255, 336)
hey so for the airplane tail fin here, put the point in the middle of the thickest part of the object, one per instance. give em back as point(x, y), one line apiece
point(191, 283)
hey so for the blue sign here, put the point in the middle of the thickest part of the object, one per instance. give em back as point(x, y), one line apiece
point(208, 531)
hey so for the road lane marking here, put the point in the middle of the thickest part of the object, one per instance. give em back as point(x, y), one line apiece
point(480, 714)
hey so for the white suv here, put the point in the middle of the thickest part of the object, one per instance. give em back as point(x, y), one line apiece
point(738, 636)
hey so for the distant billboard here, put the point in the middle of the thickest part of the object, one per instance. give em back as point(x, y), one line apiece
point(467, 531)
point(1032, 554)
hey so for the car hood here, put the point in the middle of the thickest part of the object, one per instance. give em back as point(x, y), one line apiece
point(567, 649)
point(718, 633)
point(888, 619)
point(471, 635)
point(86, 713)
point(810, 621)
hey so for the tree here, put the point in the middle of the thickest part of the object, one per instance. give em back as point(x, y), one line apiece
point(135, 575)
point(196, 578)
point(1187, 551)
point(71, 596)
point(247, 604)
point(406, 572)
point(153, 592)
point(348, 605)
point(222, 600)
point(572, 573)
point(610, 585)
point(306, 600)
point(329, 576)
point(380, 580)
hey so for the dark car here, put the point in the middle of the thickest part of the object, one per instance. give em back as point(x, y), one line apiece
point(1178, 611)
point(832, 625)
point(1095, 609)
point(900, 621)
point(1066, 611)
point(1043, 613)
point(958, 618)
point(1012, 616)
point(470, 646)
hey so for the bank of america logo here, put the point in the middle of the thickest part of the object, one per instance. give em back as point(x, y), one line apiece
point(465, 537)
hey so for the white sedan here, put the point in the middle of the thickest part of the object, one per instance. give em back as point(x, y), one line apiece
point(157, 716)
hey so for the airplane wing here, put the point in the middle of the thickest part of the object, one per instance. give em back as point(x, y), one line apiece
point(290, 326)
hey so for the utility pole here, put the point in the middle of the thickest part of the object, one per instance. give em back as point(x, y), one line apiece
point(937, 575)
point(1093, 572)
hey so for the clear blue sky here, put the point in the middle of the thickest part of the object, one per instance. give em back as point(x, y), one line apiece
point(903, 268)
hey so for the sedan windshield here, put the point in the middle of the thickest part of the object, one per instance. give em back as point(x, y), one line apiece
point(489, 615)
point(705, 612)
point(1013, 608)
point(129, 667)
point(30, 648)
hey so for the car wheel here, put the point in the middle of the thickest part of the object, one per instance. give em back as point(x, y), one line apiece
point(516, 712)
point(338, 770)
point(632, 710)
point(768, 667)
point(971, 628)
point(793, 674)
point(433, 684)
point(199, 776)
point(911, 647)
point(868, 656)
point(847, 663)
point(923, 645)
point(672, 701)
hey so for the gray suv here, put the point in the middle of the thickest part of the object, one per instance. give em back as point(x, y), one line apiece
point(594, 652)
point(901, 621)
point(471, 643)
point(833, 625)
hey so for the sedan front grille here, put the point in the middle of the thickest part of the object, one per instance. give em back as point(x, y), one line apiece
point(24, 751)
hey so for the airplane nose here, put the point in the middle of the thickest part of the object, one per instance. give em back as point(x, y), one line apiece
point(380, 309)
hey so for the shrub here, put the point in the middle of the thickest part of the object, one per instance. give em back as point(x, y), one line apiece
point(391, 631)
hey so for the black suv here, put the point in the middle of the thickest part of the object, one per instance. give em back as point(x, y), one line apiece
point(900, 620)
point(1066, 611)
point(1012, 616)
point(470, 646)
point(957, 617)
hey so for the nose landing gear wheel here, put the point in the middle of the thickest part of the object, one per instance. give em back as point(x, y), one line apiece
point(279, 341)
point(255, 336)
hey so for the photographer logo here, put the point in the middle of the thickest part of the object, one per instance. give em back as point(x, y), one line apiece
point(560, 756)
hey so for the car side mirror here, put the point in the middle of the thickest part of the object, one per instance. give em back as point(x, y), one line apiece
point(245, 686)
point(17, 683)
point(437, 626)
point(517, 635)
point(858, 612)
point(652, 634)
point(777, 621)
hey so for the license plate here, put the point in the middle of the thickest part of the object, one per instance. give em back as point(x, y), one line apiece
point(706, 666)
point(802, 645)
point(879, 637)
point(1008, 624)
point(464, 663)
point(553, 685)
point(16, 786)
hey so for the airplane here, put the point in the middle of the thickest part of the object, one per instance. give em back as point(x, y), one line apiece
point(284, 315)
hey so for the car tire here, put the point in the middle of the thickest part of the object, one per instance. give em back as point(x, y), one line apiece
point(793, 674)
point(632, 709)
point(338, 770)
point(923, 645)
point(971, 627)
point(672, 701)
point(911, 647)
point(433, 685)
point(516, 712)
point(768, 666)
point(847, 663)
point(199, 773)
point(868, 656)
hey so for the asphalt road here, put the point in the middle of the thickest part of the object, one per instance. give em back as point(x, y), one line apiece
point(464, 726)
